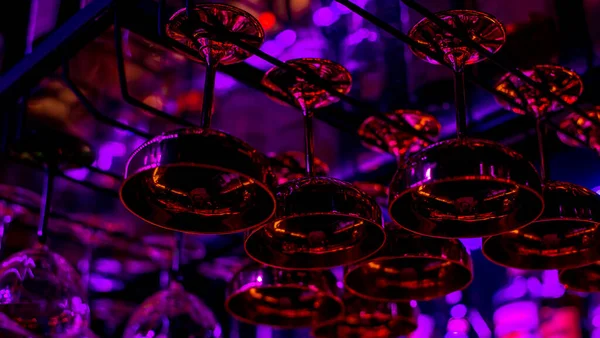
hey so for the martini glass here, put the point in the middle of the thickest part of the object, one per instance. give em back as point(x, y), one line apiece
point(201, 180)
point(463, 187)
point(173, 312)
point(40, 290)
point(261, 295)
point(566, 235)
point(585, 131)
point(366, 318)
point(321, 222)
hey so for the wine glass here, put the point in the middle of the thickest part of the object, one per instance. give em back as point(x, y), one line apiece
point(172, 311)
point(584, 130)
point(39, 289)
point(463, 187)
point(291, 165)
point(201, 180)
point(581, 279)
point(321, 222)
point(381, 136)
point(261, 295)
point(367, 318)
point(567, 233)
point(410, 266)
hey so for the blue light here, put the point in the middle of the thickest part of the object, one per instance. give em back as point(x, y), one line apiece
point(458, 311)
point(454, 297)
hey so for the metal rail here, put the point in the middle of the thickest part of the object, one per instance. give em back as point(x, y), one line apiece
point(95, 18)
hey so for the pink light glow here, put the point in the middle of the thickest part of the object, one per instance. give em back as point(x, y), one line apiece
point(458, 325)
point(514, 318)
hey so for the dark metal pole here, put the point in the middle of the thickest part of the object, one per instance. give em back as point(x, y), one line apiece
point(209, 94)
point(460, 101)
point(42, 232)
point(540, 130)
point(309, 142)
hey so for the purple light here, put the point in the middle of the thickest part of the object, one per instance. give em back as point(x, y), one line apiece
point(270, 47)
point(325, 16)
point(79, 174)
point(471, 244)
point(286, 38)
point(551, 286)
point(458, 311)
point(516, 317)
point(106, 153)
point(517, 289)
point(535, 286)
point(596, 321)
point(454, 297)
point(102, 284)
point(340, 8)
point(425, 327)
point(413, 303)
point(372, 36)
point(259, 279)
point(479, 325)
point(224, 82)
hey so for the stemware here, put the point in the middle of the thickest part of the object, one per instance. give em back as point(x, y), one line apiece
point(366, 318)
point(463, 187)
point(582, 279)
point(584, 130)
point(201, 180)
point(262, 295)
point(410, 266)
point(291, 165)
point(378, 135)
point(39, 289)
point(566, 235)
point(173, 312)
point(321, 222)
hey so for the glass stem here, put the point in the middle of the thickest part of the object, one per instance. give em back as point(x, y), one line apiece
point(177, 259)
point(540, 130)
point(42, 232)
point(209, 94)
point(309, 144)
point(460, 101)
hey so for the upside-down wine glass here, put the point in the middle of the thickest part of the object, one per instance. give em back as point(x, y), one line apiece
point(262, 295)
point(410, 266)
point(585, 278)
point(173, 312)
point(463, 187)
point(39, 289)
point(291, 165)
point(367, 318)
point(201, 180)
point(566, 234)
point(321, 222)
point(587, 132)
